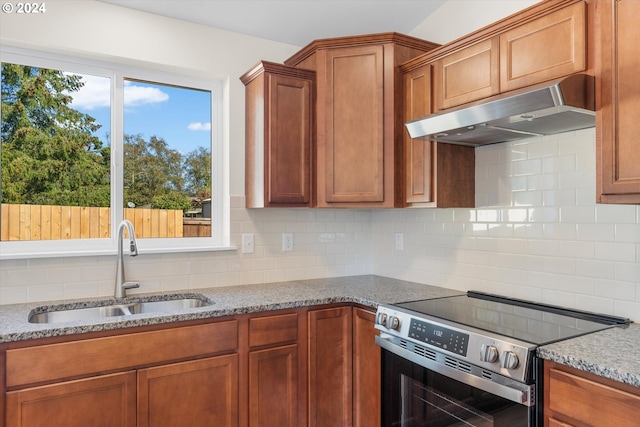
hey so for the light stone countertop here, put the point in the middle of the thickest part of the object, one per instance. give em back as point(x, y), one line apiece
point(613, 353)
point(231, 300)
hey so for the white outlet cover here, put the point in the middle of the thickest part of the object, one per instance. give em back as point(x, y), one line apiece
point(287, 242)
point(248, 246)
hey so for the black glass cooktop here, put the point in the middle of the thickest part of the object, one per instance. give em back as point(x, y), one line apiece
point(531, 322)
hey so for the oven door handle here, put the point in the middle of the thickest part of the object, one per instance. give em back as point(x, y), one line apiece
point(514, 391)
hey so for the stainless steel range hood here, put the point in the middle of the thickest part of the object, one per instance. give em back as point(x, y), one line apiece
point(558, 106)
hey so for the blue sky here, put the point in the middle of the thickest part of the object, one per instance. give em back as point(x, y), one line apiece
point(182, 117)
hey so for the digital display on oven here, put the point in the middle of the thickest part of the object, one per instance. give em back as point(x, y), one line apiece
point(446, 339)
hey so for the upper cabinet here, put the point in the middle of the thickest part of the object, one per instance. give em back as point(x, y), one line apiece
point(467, 75)
point(436, 174)
point(618, 101)
point(541, 43)
point(279, 136)
point(359, 151)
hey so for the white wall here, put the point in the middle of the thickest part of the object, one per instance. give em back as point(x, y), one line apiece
point(536, 232)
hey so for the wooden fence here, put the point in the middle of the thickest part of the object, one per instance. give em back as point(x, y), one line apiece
point(40, 222)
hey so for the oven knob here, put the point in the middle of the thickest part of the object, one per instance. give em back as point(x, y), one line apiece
point(510, 360)
point(488, 353)
point(394, 323)
point(382, 319)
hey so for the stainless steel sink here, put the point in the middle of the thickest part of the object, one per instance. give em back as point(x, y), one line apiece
point(58, 315)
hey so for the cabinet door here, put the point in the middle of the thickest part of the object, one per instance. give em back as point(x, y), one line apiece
point(278, 135)
point(352, 153)
point(574, 397)
point(108, 400)
point(467, 75)
point(618, 155)
point(366, 370)
point(330, 351)
point(418, 152)
point(273, 387)
point(195, 393)
point(289, 140)
point(549, 47)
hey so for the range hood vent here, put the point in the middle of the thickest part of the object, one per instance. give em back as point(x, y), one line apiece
point(558, 106)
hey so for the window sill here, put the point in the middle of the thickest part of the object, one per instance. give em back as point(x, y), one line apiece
point(112, 252)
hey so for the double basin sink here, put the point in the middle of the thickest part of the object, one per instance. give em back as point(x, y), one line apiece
point(169, 305)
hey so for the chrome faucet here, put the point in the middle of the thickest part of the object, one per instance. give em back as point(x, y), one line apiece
point(121, 284)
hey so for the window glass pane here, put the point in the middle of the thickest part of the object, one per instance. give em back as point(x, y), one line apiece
point(167, 160)
point(55, 155)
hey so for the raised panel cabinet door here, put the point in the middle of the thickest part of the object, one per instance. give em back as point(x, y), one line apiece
point(549, 47)
point(579, 398)
point(108, 401)
point(418, 151)
point(467, 75)
point(330, 368)
point(353, 151)
point(366, 370)
point(273, 387)
point(196, 393)
point(289, 140)
point(279, 135)
point(617, 151)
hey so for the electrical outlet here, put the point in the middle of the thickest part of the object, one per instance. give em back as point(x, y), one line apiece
point(399, 242)
point(247, 244)
point(287, 242)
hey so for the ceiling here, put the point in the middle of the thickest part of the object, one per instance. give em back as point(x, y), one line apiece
point(295, 22)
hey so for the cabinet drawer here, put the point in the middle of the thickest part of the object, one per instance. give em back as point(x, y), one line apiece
point(78, 358)
point(273, 329)
point(591, 403)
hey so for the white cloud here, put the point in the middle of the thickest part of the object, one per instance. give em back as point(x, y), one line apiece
point(199, 126)
point(94, 94)
point(135, 96)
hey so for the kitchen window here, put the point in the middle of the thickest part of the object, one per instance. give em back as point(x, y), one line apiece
point(86, 145)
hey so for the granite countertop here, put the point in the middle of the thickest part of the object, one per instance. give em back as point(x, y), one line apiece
point(231, 300)
point(613, 353)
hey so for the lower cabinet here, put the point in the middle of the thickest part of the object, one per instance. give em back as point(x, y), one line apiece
point(194, 393)
point(111, 399)
point(344, 368)
point(298, 367)
point(576, 398)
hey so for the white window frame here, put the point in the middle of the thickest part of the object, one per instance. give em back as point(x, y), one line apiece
point(220, 217)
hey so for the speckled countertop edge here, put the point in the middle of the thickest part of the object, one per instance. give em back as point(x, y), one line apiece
point(366, 290)
point(613, 353)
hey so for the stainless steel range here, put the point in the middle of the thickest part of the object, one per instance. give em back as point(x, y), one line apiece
point(470, 360)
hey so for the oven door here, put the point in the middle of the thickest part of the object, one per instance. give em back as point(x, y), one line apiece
point(414, 395)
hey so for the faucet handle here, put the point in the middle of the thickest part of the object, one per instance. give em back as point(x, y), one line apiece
point(129, 285)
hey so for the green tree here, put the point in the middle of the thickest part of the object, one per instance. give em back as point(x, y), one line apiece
point(171, 200)
point(49, 153)
point(197, 168)
point(151, 168)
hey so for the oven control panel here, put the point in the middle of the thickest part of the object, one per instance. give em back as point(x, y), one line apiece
point(439, 336)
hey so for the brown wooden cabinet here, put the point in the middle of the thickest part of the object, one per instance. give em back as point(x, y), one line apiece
point(436, 175)
point(548, 47)
point(276, 371)
point(194, 393)
point(577, 398)
point(618, 101)
point(359, 119)
point(167, 376)
point(279, 136)
point(107, 400)
point(467, 75)
point(366, 370)
point(543, 42)
point(330, 368)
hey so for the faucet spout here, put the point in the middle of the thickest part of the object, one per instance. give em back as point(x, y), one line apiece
point(121, 284)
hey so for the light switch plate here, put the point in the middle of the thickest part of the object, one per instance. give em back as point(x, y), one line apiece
point(399, 242)
point(248, 244)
